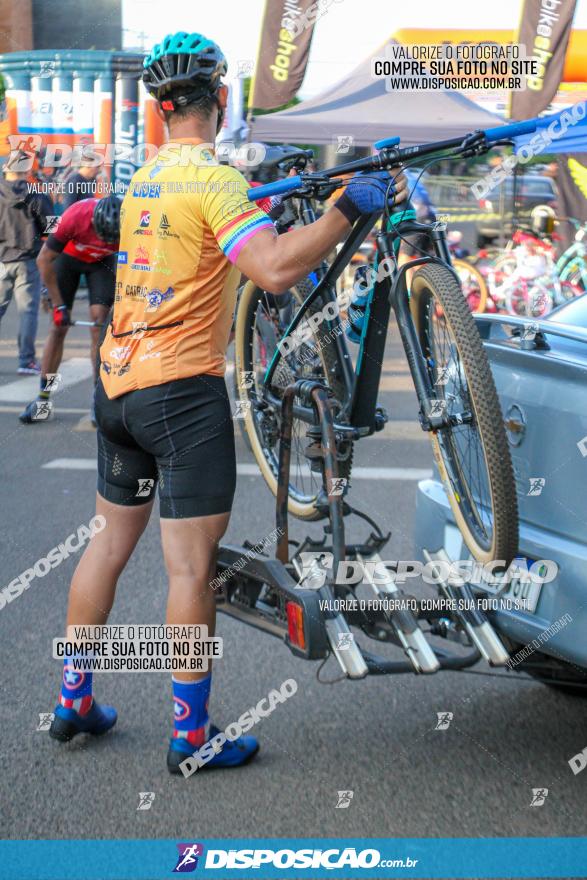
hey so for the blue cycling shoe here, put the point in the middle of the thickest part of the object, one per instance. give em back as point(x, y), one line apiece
point(67, 722)
point(232, 754)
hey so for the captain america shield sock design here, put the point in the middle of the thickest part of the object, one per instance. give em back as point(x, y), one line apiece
point(76, 688)
point(190, 704)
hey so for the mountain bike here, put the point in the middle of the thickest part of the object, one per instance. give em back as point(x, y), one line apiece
point(524, 279)
point(571, 266)
point(458, 403)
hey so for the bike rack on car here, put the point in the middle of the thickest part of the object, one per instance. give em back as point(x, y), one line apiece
point(311, 612)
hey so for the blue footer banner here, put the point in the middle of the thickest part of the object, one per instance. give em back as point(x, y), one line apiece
point(225, 858)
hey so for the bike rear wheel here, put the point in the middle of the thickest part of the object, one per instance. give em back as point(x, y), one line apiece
point(472, 454)
point(261, 322)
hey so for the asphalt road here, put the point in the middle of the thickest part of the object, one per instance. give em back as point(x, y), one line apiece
point(376, 737)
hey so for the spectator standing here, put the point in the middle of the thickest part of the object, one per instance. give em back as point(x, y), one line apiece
point(23, 220)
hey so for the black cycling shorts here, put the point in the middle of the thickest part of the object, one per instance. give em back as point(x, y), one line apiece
point(179, 435)
point(100, 278)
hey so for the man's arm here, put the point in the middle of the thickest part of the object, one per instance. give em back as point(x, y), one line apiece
point(46, 265)
point(275, 262)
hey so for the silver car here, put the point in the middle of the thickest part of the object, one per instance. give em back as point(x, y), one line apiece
point(540, 371)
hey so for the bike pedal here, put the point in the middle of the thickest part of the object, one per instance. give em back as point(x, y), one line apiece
point(381, 418)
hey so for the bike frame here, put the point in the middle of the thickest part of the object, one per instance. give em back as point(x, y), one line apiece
point(359, 408)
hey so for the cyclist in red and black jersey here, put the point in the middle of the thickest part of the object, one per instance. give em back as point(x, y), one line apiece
point(84, 243)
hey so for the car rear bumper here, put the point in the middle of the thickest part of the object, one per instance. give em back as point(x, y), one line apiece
point(565, 595)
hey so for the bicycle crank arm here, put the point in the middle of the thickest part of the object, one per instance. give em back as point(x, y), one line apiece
point(474, 621)
point(414, 642)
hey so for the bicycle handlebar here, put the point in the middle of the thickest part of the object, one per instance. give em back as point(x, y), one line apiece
point(274, 189)
point(505, 132)
point(392, 155)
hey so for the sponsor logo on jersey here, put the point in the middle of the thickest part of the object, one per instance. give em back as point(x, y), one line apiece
point(144, 223)
point(121, 352)
point(157, 297)
point(95, 252)
point(146, 190)
point(141, 262)
point(135, 291)
point(122, 258)
point(164, 230)
point(161, 263)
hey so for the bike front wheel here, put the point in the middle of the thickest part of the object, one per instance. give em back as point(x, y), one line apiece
point(472, 453)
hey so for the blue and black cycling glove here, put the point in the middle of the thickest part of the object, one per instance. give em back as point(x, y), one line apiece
point(365, 194)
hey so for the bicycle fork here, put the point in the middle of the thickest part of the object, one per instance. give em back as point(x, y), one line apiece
point(432, 416)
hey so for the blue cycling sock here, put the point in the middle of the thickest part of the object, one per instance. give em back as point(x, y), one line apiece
point(190, 699)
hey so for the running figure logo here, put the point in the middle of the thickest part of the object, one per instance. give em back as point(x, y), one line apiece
point(537, 484)
point(241, 408)
point(444, 719)
point(437, 407)
point(345, 641)
point(344, 800)
point(187, 860)
point(337, 485)
point(539, 795)
point(52, 222)
point(42, 410)
point(443, 376)
point(45, 719)
point(144, 489)
point(53, 381)
point(247, 378)
point(146, 799)
point(315, 568)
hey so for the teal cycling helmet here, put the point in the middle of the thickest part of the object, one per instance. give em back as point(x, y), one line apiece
point(183, 69)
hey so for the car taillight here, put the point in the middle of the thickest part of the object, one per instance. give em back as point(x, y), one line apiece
point(295, 625)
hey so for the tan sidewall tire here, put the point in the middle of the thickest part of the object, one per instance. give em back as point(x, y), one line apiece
point(418, 287)
point(295, 508)
point(483, 291)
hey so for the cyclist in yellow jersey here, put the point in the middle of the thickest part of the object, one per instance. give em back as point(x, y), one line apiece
point(164, 420)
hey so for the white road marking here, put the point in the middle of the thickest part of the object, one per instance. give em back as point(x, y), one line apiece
point(76, 410)
point(251, 470)
point(358, 473)
point(71, 464)
point(74, 370)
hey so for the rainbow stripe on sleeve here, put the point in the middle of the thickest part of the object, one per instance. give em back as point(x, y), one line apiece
point(234, 235)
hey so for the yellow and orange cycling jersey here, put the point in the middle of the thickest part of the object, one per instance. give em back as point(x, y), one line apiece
point(184, 220)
